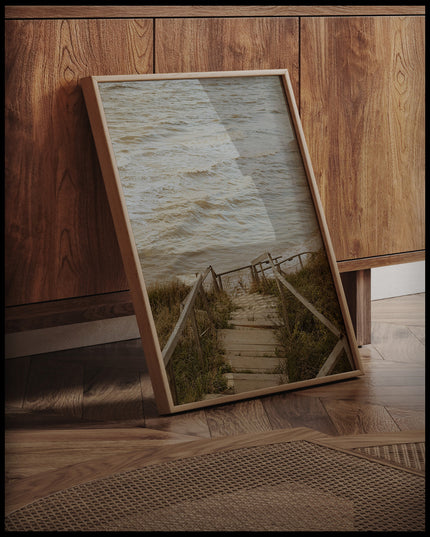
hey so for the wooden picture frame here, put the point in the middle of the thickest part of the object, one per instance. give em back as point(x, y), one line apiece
point(195, 141)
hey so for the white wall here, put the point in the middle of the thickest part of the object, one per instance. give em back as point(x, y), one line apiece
point(398, 280)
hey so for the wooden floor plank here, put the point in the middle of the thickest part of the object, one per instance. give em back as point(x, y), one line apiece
point(238, 418)
point(356, 418)
point(292, 410)
point(362, 391)
point(368, 353)
point(419, 332)
point(32, 452)
point(395, 374)
point(112, 394)
point(53, 388)
point(372, 439)
point(408, 419)
point(403, 310)
point(351, 390)
point(191, 423)
point(397, 343)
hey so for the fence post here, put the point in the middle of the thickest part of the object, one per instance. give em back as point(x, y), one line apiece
point(214, 277)
point(262, 273)
point(196, 333)
point(284, 307)
point(254, 274)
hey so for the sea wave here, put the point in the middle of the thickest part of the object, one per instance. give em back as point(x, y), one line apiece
point(211, 172)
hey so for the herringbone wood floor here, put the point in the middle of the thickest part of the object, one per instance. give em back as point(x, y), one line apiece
point(79, 406)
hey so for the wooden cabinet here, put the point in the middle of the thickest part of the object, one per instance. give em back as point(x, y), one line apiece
point(362, 107)
point(358, 80)
point(223, 44)
point(60, 240)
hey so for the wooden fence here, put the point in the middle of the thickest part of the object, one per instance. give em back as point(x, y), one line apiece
point(186, 313)
point(257, 268)
point(342, 343)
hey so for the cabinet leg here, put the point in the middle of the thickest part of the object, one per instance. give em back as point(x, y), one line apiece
point(356, 285)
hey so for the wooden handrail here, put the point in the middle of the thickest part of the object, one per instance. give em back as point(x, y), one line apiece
point(292, 257)
point(192, 295)
point(264, 260)
point(179, 327)
point(303, 300)
point(233, 270)
point(331, 361)
point(283, 261)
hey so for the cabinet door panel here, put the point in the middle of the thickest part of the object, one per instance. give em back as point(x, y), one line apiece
point(362, 108)
point(60, 240)
point(223, 44)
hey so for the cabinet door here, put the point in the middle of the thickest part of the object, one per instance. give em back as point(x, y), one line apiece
point(224, 44)
point(362, 108)
point(60, 240)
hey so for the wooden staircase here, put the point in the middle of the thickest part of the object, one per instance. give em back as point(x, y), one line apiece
point(251, 342)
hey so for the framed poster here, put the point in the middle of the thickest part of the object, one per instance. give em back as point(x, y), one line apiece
point(224, 242)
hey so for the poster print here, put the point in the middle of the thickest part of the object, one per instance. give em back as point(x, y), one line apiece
point(210, 179)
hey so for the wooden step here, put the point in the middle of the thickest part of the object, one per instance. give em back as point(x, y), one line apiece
point(255, 323)
point(244, 382)
point(257, 364)
point(247, 336)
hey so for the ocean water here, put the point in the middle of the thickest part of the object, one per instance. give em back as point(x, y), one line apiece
point(211, 172)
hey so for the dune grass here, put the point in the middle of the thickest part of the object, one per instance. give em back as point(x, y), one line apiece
point(304, 342)
point(192, 374)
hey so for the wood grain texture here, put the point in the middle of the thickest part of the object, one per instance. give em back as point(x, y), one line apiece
point(287, 410)
point(357, 287)
point(60, 240)
point(409, 310)
point(407, 419)
point(397, 343)
point(205, 11)
point(67, 311)
point(407, 397)
point(53, 388)
point(352, 418)
point(192, 423)
point(32, 452)
point(372, 439)
point(240, 418)
point(111, 393)
point(419, 332)
point(222, 44)
point(369, 355)
point(362, 108)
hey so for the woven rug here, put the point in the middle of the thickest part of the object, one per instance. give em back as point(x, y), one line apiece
point(407, 455)
point(288, 486)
